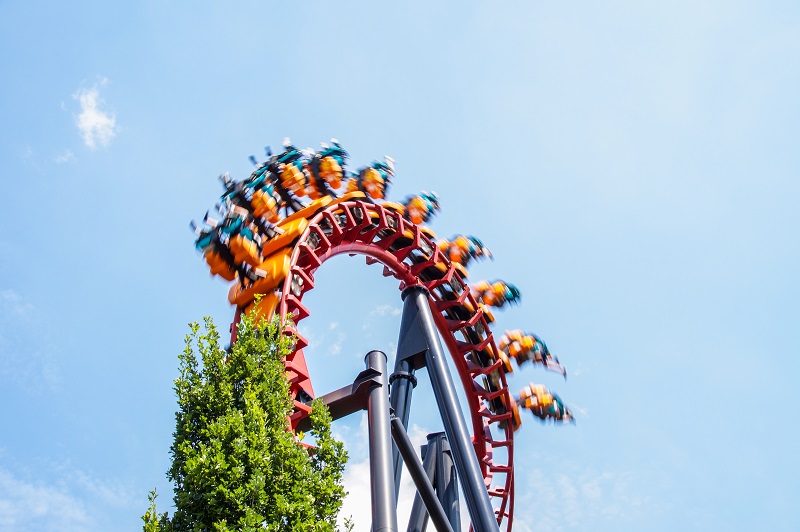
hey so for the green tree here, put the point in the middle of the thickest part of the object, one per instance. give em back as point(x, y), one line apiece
point(235, 464)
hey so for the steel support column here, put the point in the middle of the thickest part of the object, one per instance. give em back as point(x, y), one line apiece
point(466, 463)
point(447, 482)
point(411, 347)
point(384, 512)
point(419, 514)
point(421, 480)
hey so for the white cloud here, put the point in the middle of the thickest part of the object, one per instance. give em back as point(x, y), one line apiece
point(108, 493)
point(13, 303)
point(64, 157)
point(571, 498)
point(386, 310)
point(30, 158)
point(578, 370)
point(25, 505)
point(68, 499)
point(29, 359)
point(336, 347)
point(582, 412)
point(356, 482)
point(332, 339)
point(577, 500)
point(381, 311)
point(97, 127)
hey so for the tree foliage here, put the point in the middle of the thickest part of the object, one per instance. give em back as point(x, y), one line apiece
point(235, 464)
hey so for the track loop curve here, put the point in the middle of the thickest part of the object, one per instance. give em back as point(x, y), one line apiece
point(408, 253)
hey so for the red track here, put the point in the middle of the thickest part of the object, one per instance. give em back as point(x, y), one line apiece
point(382, 235)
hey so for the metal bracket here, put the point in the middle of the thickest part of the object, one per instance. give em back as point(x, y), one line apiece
point(348, 399)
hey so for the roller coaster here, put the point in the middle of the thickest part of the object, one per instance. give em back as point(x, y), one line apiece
point(299, 208)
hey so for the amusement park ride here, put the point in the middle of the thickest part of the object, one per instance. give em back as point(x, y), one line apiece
point(270, 240)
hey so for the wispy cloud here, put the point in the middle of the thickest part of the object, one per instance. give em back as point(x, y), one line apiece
point(572, 498)
point(13, 303)
point(581, 499)
point(106, 492)
point(381, 311)
point(582, 411)
point(386, 310)
point(96, 126)
point(335, 345)
point(333, 339)
point(28, 358)
point(25, 505)
point(578, 370)
point(64, 157)
point(69, 499)
point(30, 158)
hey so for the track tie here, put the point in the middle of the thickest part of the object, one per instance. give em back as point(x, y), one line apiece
point(466, 347)
point(403, 253)
point(297, 309)
point(416, 269)
point(496, 418)
point(317, 241)
point(499, 468)
point(301, 342)
point(369, 235)
point(454, 325)
point(491, 395)
point(308, 280)
point(351, 221)
point(386, 242)
point(497, 491)
point(475, 318)
point(442, 306)
point(336, 230)
point(474, 369)
point(291, 366)
point(301, 407)
point(309, 254)
point(446, 304)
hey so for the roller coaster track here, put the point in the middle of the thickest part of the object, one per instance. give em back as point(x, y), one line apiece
point(352, 225)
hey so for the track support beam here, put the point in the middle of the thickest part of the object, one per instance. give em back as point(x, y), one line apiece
point(384, 512)
point(422, 329)
point(410, 357)
point(425, 491)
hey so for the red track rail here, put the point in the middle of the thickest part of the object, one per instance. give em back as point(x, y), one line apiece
point(410, 256)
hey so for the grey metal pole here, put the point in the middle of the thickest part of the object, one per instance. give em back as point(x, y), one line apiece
point(477, 498)
point(411, 347)
point(415, 468)
point(403, 382)
point(447, 484)
point(419, 515)
point(384, 512)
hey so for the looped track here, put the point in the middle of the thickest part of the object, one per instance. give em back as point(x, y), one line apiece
point(411, 256)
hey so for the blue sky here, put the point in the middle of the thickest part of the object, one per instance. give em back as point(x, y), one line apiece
point(633, 166)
